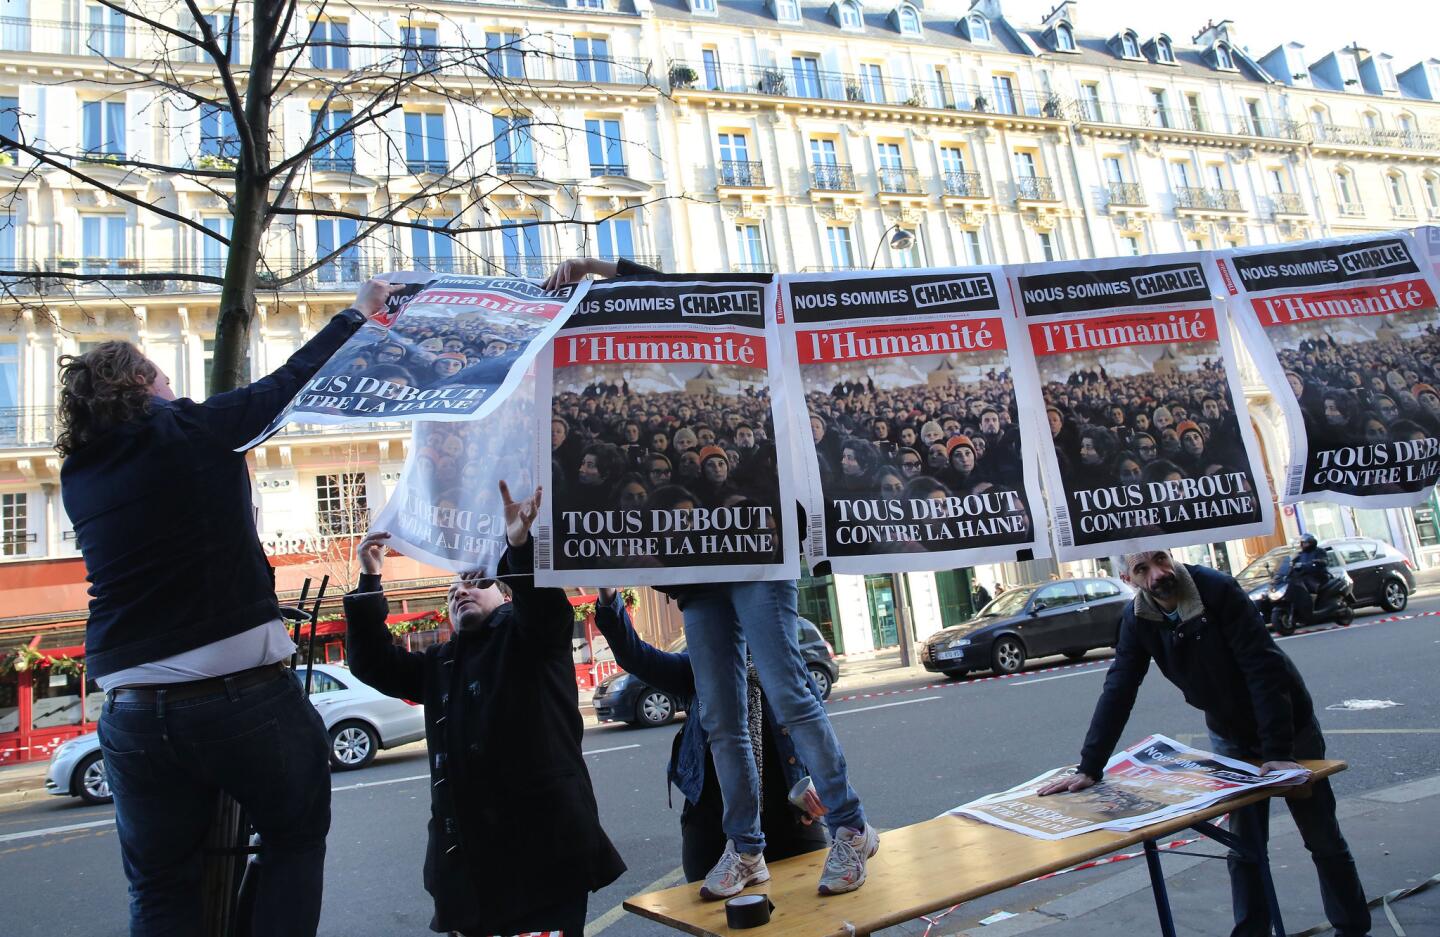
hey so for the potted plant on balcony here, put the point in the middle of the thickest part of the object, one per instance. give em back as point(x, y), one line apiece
point(853, 91)
point(981, 104)
point(683, 76)
point(772, 81)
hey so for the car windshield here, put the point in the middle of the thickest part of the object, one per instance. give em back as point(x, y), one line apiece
point(1266, 566)
point(1007, 603)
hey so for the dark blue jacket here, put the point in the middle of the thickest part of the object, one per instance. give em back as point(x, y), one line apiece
point(162, 514)
point(1224, 662)
point(1310, 564)
point(671, 672)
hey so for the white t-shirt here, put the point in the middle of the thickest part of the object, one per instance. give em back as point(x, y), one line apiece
point(261, 645)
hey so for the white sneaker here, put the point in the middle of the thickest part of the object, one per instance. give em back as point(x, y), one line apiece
point(845, 865)
point(733, 874)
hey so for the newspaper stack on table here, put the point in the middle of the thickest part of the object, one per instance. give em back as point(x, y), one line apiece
point(1149, 782)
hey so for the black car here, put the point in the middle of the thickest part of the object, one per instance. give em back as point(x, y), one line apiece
point(1068, 616)
point(1379, 574)
point(622, 697)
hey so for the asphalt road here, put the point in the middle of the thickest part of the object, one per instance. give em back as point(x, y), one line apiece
point(914, 751)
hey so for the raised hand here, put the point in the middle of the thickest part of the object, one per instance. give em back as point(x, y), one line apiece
point(519, 515)
point(576, 269)
point(371, 552)
point(371, 299)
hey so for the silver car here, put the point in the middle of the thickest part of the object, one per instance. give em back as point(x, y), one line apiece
point(360, 719)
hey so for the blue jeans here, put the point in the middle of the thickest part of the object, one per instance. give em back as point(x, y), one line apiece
point(720, 622)
point(267, 747)
point(1340, 890)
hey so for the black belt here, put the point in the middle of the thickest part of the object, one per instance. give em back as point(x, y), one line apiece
point(192, 689)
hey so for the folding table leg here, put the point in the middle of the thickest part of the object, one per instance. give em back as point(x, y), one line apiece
point(1157, 886)
point(1251, 849)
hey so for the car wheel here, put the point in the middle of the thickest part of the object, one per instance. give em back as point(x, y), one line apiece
point(955, 674)
point(352, 745)
point(90, 781)
point(822, 680)
point(1394, 596)
point(1075, 655)
point(1008, 655)
point(655, 708)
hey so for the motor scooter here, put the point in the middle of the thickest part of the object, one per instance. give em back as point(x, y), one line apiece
point(1335, 601)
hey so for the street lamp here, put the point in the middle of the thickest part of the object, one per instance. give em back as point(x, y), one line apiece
point(900, 240)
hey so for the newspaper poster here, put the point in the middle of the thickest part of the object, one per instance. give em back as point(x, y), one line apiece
point(1154, 780)
point(454, 351)
point(912, 453)
point(445, 509)
point(1133, 377)
point(1428, 238)
point(1347, 335)
point(660, 457)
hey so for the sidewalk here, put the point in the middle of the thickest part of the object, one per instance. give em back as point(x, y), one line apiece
point(1385, 829)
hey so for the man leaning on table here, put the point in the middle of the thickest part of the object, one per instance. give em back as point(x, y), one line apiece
point(1207, 637)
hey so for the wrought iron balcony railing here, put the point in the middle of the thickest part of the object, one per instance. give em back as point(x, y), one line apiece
point(1126, 193)
point(27, 427)
point(332, 163)
point(419, 167)
point(1287, 203)
point(899, 181)
point(510, 167)
point(832, 177)
point(745, 174)
point(964, 184)
point(1193, 197)
point(608, 169)
point(1035, 189)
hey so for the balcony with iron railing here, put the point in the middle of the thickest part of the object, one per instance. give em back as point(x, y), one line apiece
point(1273, 128)
point(1286, 203)
point(510, 167)
point(832, 177)
point(897, 180)
point(1335, 135)
point(1035, 189)
point(608, 169)
point(1403, 212)
point(752, 268)
point(420, 167)
point(27, 427)
point(1130, 194)
point(964, 185)
point(1195, 198)
point(742, 174)
point(332, 163)
point(1352, 209)
point(787, 81)
point(537, 267)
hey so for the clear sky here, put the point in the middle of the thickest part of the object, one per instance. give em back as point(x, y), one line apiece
point(1407, 29)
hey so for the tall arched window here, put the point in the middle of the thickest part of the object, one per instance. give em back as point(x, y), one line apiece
point(1064, 38)
point(1345, 192)
point(1163, 50)
point(979, 29)
point(1128, 46)
point(1399, 191)
point(1223, 56)
point(1431, 185)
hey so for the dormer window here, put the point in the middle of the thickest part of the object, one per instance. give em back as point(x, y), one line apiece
point(702, 6)
point(1387, 75)
point(909, 19)
point(787, 11)
point(1223, 58)
point(979, 28)
point(1129, 48)
point(850, 18)
point(1164, 52)
point(1064, 38)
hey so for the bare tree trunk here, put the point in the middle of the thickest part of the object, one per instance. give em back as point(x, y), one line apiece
point(237, 296)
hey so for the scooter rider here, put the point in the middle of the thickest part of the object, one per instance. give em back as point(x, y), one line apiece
point(1309, 570)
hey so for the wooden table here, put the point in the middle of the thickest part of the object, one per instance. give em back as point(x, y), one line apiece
point(943, 862)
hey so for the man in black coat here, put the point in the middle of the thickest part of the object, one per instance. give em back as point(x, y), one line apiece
point(515, 843)
point(1206, 636)
point(184, 633)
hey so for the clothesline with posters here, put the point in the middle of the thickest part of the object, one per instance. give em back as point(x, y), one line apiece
point(907, 412)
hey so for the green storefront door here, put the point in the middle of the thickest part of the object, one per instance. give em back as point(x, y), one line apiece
point(881, 596)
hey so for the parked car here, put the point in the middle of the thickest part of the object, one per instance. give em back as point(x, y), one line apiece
point(360, 719)
point(1379, 574)
point(623, 697)
point(1067, 616)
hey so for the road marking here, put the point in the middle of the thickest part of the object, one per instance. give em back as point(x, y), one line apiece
point(52, 830)
point(617, 748)
point(356, 787)
point(1062, 676)
point(866, 709)
point(673, 877)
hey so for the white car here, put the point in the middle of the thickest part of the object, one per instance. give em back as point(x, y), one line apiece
point(360, 719)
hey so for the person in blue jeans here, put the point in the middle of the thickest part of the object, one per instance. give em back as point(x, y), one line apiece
point(1207, 638)
point(788, 831)
point(184, 633)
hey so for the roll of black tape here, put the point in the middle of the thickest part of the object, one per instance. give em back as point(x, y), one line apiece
point(748, 911)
